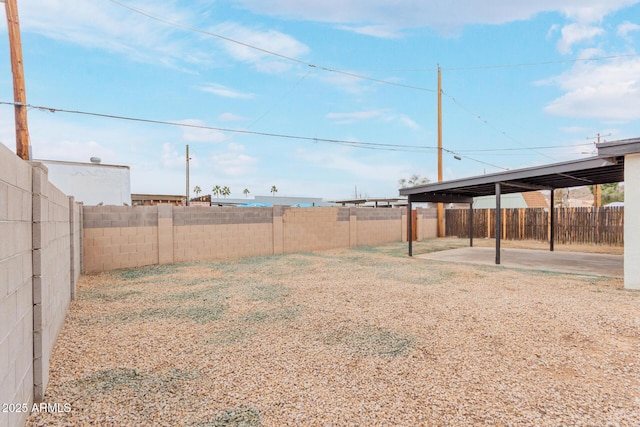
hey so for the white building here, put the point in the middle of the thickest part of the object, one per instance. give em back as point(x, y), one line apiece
point(91, 183)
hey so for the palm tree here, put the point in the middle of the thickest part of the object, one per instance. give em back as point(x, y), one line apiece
point(225, 191)
point(216, 190)
point(197, 190)
point(274, 190)
point(246, 192)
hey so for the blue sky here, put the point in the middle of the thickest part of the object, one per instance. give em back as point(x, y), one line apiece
point(513, 79)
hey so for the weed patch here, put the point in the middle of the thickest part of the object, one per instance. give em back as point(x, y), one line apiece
point(268, 293)
point(239, 417)
point(370, 341)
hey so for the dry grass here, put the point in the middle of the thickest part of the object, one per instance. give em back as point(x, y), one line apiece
point(354, 337)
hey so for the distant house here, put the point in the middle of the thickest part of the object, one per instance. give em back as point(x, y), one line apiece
point(157, 199)
point(530, 199)
point(91, 183)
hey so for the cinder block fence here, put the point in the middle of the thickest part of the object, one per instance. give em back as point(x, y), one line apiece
point(40, 231)
point(47, 240)
point(124, 237)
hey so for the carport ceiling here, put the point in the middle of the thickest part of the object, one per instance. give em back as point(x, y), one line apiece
point(601, 169)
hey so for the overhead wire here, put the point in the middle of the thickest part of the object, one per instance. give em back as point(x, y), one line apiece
point(266, 51)
point(354, 144)
point(363, 77)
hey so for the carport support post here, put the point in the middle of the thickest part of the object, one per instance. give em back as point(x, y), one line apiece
point(498, 223)
point(409, 226)
point(471, 224)
point(552, 220)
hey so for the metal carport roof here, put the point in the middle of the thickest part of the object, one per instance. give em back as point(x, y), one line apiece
point(606, 167)
point(601, 169)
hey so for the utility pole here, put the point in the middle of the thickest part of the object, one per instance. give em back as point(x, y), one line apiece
point(188, 158)
point(19, 94)
point(597, 189)
point(440, 207)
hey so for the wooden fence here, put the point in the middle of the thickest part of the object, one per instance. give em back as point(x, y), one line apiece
point(600, 226)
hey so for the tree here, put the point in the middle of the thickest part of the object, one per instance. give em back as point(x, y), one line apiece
point(611, 192)
point(225, 191)
point(246, 192)
point(197, 190)
point(274, 190)
point(413, 181)
point(216, 190)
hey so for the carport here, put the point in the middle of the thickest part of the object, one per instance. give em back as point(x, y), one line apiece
point(607, 167)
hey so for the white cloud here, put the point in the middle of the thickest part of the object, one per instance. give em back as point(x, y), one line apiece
point(233, 162)
point(380, 31)
point(171, 159)
point(395, 15)
point(357, 116)
point(609, 91)
point(346, 83)
point(383, 115)
point(266, 40)
point(224, 91)
point(230, 117)
point(194, 133)
point(343, 161)
point(575, 33)
point(107, 26)
point(625, 28)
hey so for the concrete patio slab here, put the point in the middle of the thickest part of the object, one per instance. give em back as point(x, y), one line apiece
point(563, 262)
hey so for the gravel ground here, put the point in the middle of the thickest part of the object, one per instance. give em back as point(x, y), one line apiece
point(350, 338)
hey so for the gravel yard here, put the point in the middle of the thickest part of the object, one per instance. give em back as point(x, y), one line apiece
point(355, 337)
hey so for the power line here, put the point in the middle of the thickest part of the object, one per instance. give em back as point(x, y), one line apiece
point(477, 116)
point(353, 144)
point(266, 51)
point(535, 64)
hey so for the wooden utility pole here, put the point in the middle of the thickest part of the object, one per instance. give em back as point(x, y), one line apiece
point(19, 93)
point(597, 189)
point(440, 207)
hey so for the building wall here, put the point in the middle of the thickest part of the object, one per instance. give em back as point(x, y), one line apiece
point(632, 221)
point(16, 307)
point(125, 237)
point(37, 277)
point(91, 183)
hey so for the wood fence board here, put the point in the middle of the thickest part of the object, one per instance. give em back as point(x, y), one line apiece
point(589, 225)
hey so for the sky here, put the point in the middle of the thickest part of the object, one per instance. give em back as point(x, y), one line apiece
point(328, 99)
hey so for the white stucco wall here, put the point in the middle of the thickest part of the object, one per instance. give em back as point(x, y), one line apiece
point(632, 221)
point(90, 183)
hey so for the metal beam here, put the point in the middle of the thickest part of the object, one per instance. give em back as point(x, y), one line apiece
point(441, 198)
point(409, 226)
point(471, 224)
point(498, 222)
point(526, 186)
point(552, 220)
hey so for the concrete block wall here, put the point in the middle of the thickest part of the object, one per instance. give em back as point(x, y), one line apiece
point(125, 237)
point(312, 229)
point(16, 306)
point(378, 226)
point(427, 223)
point(202, 233)
point(40, 261)
point(119, 237)
point(52, 284)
